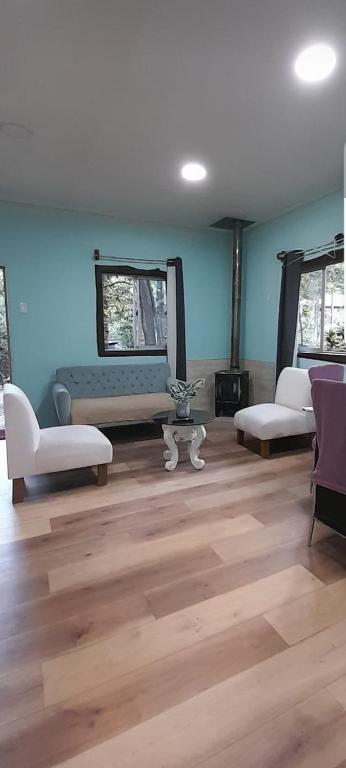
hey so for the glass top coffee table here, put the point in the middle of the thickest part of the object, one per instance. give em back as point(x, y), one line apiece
point(191, 430)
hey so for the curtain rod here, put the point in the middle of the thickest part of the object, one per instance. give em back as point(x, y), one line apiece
point(335, 245)
point(98, 257)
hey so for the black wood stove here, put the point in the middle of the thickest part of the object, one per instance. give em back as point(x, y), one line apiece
point(231, 392)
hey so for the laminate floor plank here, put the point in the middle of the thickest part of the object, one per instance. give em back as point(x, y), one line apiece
point(21, 529)
point(65, 555)
point(21, 693)
point(185, 521)
point(67, 675)
point(118, 592)
point(310, 614)
point(264, 539)
point(275, 512)
point(338, 690)
point(133, 554)
point(93, 497)
point(204, 725)
point(152, 509)
point(21, 588)
point(115, 706)
point(231, 495)
point(176, 595)
point(296, 739)
point(172, 619)
point(79, 630)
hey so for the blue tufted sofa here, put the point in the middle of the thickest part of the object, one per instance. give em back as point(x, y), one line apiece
point(110, 394)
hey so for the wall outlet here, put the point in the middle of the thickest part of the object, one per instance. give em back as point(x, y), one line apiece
point(23, 308)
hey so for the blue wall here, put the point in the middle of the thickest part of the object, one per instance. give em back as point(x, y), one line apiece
point(49, 265)
point(305, 227)
point(48, 260)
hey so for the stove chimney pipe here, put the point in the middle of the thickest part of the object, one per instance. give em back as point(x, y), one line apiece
point(232, 386)
point(236, 294)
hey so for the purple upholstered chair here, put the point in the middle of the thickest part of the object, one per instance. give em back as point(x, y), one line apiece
point(329, 476)
point(332, 372)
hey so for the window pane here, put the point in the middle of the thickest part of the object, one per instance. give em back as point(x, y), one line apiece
point(152, 317)
point(334, 308)
point(310, 302)
point(5, 366)
point(134, 311)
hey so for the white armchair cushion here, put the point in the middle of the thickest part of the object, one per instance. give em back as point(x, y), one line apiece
point(22, 432)
point(269, 421)
point(71, 447)
point(294, 388)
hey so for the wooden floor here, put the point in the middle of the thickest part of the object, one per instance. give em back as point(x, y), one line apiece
point(172, 620)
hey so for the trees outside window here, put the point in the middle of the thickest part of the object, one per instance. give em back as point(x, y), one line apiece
point(321, 309)
point(131, 311)
point(5, 364)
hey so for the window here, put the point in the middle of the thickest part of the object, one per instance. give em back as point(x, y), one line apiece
point(5, 362)
point(321, 316)
point(131, 311)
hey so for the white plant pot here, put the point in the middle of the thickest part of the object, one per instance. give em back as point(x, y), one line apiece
point(183, 410)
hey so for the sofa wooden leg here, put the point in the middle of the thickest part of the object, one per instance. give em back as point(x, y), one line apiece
point(18, 490)
point(240, 436)
point(102, 470)
point(265, 449)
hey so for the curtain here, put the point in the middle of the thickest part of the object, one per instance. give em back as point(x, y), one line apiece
point(288, 309)
point(176, 349)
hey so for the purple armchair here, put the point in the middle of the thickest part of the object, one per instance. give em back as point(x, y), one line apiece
point(331, 372)
point(329, 475)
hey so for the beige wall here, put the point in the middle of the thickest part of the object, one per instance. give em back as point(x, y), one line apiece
point(200, 369)
point(262, 383)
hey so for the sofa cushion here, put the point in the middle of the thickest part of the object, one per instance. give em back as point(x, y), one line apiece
point(71, 447)
point(91, 381)
point(109, 410)
point(269, 421)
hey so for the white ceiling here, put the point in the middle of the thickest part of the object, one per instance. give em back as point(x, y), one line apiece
point(120, 92)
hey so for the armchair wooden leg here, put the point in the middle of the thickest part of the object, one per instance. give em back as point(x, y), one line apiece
point(18, 490)
point(265, 449)
point(240, 436)
point(102, 470)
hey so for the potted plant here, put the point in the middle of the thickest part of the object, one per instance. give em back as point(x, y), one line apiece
point(335, 338)
point(182, 393)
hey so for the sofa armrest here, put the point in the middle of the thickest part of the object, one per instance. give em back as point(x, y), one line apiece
point(62, 402)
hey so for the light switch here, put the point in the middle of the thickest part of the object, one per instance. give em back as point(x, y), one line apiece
point(23, 307)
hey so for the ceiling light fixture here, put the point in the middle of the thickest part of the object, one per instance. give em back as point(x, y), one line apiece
point(16, 130)
point(315, 63)
point(193, 172)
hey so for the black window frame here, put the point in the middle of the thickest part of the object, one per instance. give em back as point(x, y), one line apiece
point(315, 265)
point(100, 270)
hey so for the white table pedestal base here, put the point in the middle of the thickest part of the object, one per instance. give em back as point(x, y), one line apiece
point(174, 434)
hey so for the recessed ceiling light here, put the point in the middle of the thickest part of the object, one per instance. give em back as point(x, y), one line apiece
point(16, 130)
point(193, 172)
point(315, 63)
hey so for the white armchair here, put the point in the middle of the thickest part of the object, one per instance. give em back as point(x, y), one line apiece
point(35, 451)
point(285, 417)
